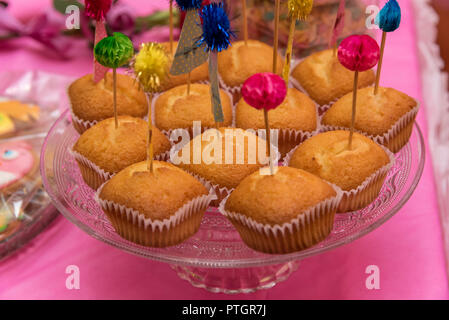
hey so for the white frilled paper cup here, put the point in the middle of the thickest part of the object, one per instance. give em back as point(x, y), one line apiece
point(307, 229)
point(133, 226)
point(168, 133)
point(79, 124)
point(365, 193)
point(94, 176)
point(395, 138)
point(220, 191)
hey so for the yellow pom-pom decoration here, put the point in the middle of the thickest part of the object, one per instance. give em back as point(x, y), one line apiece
point(151, 66)
point(300, 9)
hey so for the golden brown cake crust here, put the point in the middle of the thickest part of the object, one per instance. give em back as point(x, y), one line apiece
point(376, 114)
point(114, 149)
point(175, 109)
point(225, 175)
point(241, 61)
point(157, 196)
point(94, 101)
point(324, 78)
point(327, 156)
point(297, 112)
point(279, 198)
point(201, 73)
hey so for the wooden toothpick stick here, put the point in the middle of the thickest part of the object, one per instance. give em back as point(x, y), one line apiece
point(114, 77)
point(150, 151)
point(245, 22)
point(170, 19)
point(354, 108)
point(277, 9)
point(268, 138)
point(379, 66)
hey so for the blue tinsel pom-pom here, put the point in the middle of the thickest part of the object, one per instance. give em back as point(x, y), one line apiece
point(217, 31)
point(389, 18)
point(185, 5)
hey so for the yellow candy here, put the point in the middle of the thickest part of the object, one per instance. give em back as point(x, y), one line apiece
point(300, 9)
point(151, 66)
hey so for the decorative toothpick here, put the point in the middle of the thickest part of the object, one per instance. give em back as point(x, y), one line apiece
point(216, 36)
point(388, 20)
point(150, 67)
point(297, 10)
point(357, 53)
point(245, 22)
point(188, 55)
point(277, 10)
point(114, 52)
point(265, 91)
point(170, 22)
point(338, 26)
point(97, 9)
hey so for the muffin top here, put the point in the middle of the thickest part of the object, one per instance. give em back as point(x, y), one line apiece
point(175, 109)
point(241, 61)
point(327, 156)
point(94, 101)
point(297, 112)
point(201, 73)
point(114, 149)
point(156, 195)
point(279, 198)
point(376, 114)
point(230, 142)
point(325, 79)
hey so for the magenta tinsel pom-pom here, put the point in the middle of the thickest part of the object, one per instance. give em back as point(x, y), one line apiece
point(264, 91)
point(359, 53)
point(97, 9)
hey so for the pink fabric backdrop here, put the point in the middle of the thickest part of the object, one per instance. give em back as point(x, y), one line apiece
point(408, 249)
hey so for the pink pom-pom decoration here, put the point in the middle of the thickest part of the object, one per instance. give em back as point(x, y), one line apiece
point(97, 9)
point(264, 91)
point(359, 53)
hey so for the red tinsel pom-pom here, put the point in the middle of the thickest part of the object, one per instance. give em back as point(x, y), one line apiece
point(97, 9)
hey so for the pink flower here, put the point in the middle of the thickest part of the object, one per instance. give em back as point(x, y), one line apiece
point(121, 18)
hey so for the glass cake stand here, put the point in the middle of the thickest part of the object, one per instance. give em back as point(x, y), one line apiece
point(215, 258)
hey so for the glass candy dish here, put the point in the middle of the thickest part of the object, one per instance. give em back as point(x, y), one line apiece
point(215, 258)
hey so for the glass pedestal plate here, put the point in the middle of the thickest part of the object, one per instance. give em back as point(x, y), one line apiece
point(215, 258)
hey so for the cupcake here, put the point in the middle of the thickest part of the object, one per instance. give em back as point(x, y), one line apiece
point(296, 118)
point(157, 209)
point(324, 79)
point(241, 61)
point(239, 158)
point(359, 172)
point(387, 117)
point(92, 102)
point(199, 74)
point(103, 150)
point(289, 211)
point(175, 109)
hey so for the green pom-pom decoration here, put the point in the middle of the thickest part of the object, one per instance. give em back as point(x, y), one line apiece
point(114, 51)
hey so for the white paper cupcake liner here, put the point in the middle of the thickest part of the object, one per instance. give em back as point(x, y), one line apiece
point(396, 137)
point(79, 124)
point(94, 176)
point(169, 132)
point(135, 227)
point(307, 229)
point(221, 191)
point(365, 193)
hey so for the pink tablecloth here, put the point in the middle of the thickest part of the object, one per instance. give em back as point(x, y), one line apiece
point(408, 249)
